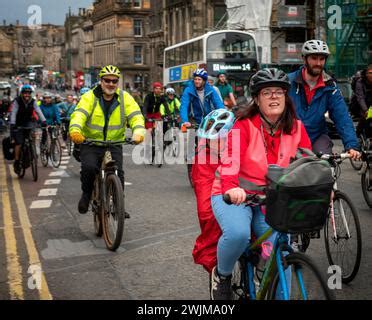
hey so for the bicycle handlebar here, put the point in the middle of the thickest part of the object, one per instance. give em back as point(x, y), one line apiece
point(335, 156)
point(108, 142)
point(253, 198)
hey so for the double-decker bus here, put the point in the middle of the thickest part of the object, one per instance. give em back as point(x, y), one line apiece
point(232, 51)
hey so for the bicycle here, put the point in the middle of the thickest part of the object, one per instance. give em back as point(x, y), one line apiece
point(341, 228)
point(307, 282)
point(66, 135)
point(188, 157)
point(28, 155)
point(171, 144)
point(156, 143)
point(107, 201)
point(51, 148)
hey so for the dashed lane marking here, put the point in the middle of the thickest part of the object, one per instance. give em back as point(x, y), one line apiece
point(47, 192)
point(52, 181)
point(56, 173)
point(41, 204)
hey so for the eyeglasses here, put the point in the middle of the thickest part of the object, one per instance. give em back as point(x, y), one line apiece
point(113, 81)
point(28, 92)
point(269, 93)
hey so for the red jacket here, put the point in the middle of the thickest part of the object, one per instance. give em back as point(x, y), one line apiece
point(253, 150)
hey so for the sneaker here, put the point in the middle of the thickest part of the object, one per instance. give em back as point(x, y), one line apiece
point(220, 286)
point(84, 203)
point(295, 246)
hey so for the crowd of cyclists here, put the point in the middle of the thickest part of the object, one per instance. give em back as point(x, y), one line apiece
point(285, 112)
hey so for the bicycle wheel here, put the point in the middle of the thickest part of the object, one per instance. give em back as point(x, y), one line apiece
point(239, 283)
point(97, 210)
point(33, 159)
point(44, 154)
point(55, 153)
point(113, 213)
point(344, 251)
point(307, 283)
point(366, 181)
point(69, 146)
point(22, 170)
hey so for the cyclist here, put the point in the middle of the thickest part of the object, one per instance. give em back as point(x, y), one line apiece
point(102, 114)
point(198, 99)
point(152, 103)
point(362, 96)
point(211, 81)
point(68, 109)
point(24, 112)
point(171, 106)
point(51, 114)
point(266, 132)
point(314, 93)
point(212, 134)
point(225, 88)
point(59, 103)
point(83, 90)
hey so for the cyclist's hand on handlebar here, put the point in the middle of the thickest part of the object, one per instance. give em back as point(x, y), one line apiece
point(355, 155)
point(77, 137)
point(237, 195)
point(137, 138)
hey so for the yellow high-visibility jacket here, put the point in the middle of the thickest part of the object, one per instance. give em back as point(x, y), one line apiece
point(89, 118)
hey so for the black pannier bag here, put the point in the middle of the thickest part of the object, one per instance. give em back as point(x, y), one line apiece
point(298, 197)
point(8, 148)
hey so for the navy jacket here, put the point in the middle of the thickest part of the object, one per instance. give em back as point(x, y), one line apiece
point(326, 99)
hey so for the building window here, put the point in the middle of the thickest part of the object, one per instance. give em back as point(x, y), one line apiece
point(296, 35)
point(137, 3)
point(137, 24)
point(138, 58)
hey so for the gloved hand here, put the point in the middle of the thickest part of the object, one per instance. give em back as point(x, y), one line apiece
point(77, 137)
point(137, 138)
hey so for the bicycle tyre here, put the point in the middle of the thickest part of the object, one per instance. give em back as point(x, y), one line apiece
point(349, 276)
point(55, 153)
point(22, 171)
point(366, 182)
point(44, 154)
point(33, 159)
point(239, 282)
point(316, 286)
point(114, 189)
point(69, 146)
point(357, 165)
point(189, 174)
point(97, 209)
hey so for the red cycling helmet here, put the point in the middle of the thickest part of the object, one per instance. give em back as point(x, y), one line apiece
point(157, 85)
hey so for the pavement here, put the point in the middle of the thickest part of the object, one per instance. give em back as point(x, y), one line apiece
point(49, 251)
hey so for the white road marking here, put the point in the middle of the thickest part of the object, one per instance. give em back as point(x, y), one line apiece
point(61, 168)
point(127, 183)
point(41, 204)
point(56, 173)
point(64, 162)
point(47, 192)
point(65, 158)
point(52, 181)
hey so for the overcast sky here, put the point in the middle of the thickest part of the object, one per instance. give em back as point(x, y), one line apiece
point(52, 11)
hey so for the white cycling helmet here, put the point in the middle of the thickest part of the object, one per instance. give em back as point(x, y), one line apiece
point(315, 47)
point(170, 91)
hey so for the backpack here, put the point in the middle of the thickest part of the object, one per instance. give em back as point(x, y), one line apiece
point(298, 197)
point(8, 148)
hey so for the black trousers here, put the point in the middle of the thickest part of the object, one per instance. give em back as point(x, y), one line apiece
point(91, 158)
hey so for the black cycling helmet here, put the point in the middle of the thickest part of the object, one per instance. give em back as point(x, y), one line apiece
point(268, 77)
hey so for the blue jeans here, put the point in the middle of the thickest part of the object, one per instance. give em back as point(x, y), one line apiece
point(236, 223)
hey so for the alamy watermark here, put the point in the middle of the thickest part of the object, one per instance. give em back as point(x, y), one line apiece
point(35, 17)
point(34, 281)
point(335, 280)
point(335, 19)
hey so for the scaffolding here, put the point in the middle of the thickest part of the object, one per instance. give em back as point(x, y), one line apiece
point(350, 45)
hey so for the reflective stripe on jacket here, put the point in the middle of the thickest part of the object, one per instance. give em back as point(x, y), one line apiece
point(89, 116)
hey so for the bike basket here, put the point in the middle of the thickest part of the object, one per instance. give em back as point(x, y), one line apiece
point(298, 200)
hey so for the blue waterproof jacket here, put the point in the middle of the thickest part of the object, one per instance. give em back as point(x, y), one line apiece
point(51, 114)
point(191, 104)
point(327, 98)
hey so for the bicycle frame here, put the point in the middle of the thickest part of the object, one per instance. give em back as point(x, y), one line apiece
point(274, 261)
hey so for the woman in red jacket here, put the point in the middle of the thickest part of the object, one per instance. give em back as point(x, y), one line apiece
point(266, 132)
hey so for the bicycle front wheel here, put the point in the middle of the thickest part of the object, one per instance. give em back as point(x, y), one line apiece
point(306, 283)
point(366, 181)
point(44, 154)
point(113, 213)
point(33, 157)
point(55, 153)
point(344, 249)
point(239, 283)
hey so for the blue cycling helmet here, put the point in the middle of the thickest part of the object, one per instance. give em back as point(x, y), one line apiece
point(84, 90)
point(216, 124)
point(202, 73)
point(27, 87)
